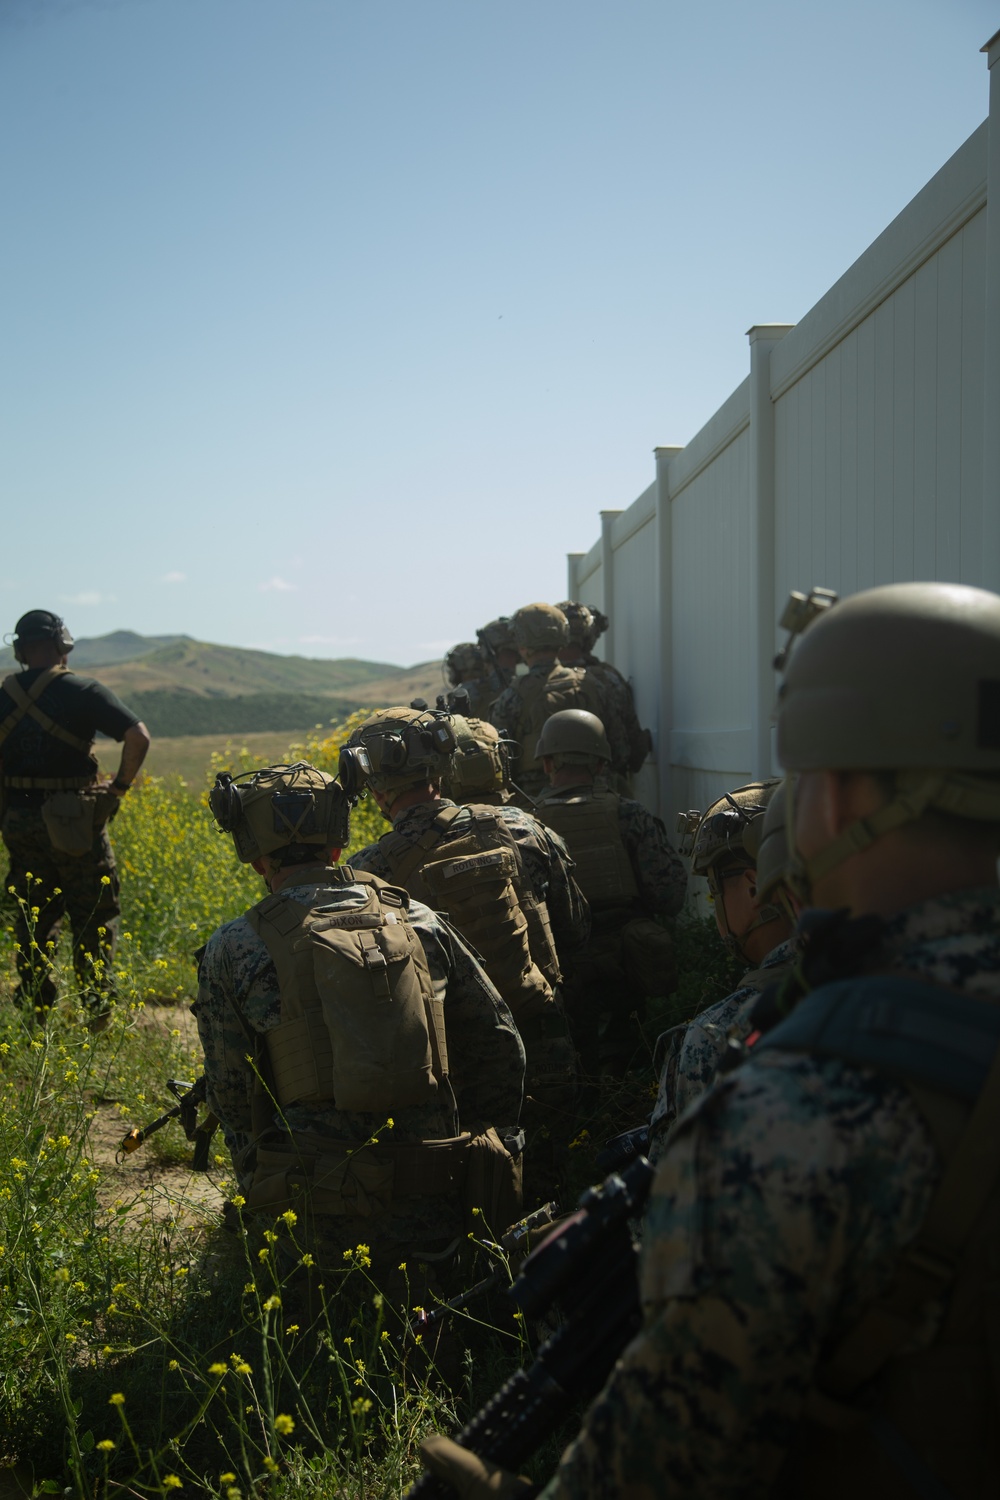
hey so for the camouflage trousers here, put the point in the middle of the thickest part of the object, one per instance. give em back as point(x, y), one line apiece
point(601, 1002)
point(48, 886)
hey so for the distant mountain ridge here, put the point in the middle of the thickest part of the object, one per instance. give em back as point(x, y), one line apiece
point(179, 685)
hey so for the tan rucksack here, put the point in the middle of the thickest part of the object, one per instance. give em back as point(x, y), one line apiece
point(475, 876)
point(361, 1026)
point(564, 687)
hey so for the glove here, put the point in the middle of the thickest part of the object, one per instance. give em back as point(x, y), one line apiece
point(472, 1477)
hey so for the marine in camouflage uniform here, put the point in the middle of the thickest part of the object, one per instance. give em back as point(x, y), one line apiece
point(625, 734)
point(414, 806)
point(470, 677)
point(818, 1266)
point(631, 877)
point(46, 751)
point(694, 1052)
point(496, 641)
point(238, 979)
point(545, 688)
point(744, 861)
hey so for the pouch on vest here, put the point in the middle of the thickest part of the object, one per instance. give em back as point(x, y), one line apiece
point(338, 1182)
point(649, 957)
point(589, 822)
point(475, 879)
point(492, 1185)
point(362, 1027)
point(69, 822)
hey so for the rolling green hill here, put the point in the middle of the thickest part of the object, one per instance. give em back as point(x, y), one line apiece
point(180, 686)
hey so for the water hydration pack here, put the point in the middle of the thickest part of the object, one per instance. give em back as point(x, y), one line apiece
point(563, 687)
point(361, 1026)
point(467, 865)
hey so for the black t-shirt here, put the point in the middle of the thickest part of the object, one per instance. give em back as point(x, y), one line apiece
point(78, 704)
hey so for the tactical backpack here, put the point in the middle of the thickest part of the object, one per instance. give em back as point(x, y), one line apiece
point(467, 865)
point(894, 1414)
point(563, 687)
point(361, 1026)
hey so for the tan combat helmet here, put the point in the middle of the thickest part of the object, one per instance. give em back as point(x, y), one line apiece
point(773, 857)
point(727, 840)
point(279, 807)
point(497, 635)
point(586, 623)
point(465, 663)
point(539, 627)
point(395, 750)
point(574, 737)
point(904, 679)
point(478, 767)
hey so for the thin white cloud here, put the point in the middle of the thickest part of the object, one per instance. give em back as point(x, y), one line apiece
point(173, 578)
point(276, 585)
point(88, 597)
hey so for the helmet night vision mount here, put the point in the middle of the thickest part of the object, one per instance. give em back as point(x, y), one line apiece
point(279, 806)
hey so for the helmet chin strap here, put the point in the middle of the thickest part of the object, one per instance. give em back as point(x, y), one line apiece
point(734, 941)
point(916, 791)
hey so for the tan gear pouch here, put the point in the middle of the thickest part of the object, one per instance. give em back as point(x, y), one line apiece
point(492, 1185)
point(351, 1185)
point(650, 963)
point(69, 822)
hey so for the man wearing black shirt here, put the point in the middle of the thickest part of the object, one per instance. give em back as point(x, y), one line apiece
point(56, 808)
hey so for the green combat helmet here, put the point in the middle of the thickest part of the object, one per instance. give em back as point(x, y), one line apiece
point(478, 770)
point(586, 623)
point(280, 807)
point(903, 679)
point(728, 840)
point(574, 737)
point(464, 663)
point(396, 750)
point(42, 625)
point(539, 627)
point(773, 855)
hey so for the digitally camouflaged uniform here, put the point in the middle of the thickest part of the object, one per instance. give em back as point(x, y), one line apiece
point(599, 992)
point(630, 743)
point(778, 1216)
point(486, 1067)
point(695, 1050)
point(546, 861)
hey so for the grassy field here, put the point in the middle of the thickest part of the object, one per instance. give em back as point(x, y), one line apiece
point(144, 1348)
point(192, 756)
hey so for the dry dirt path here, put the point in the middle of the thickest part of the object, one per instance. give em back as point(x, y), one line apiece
point(143, 1184)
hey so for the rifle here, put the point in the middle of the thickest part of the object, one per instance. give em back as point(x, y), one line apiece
point(186, 1110)
point(586, 1269)
point(622, 1149)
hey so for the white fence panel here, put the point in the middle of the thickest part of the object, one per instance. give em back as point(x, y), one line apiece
point(864, 447)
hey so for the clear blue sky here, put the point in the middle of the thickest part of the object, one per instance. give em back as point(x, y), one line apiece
point(329, 327)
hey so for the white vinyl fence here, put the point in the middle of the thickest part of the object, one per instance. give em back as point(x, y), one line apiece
point(863, 447)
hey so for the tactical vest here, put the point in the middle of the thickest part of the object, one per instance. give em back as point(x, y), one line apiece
point(361, 1026)
point(589, 822)
point(893, 1415)
point(564, 687)
point(468, 866)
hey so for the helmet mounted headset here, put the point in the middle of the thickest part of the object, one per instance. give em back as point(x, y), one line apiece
point(280, 807)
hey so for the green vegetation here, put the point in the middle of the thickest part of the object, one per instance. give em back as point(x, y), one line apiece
point(144, 1347)
point(170, 714)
